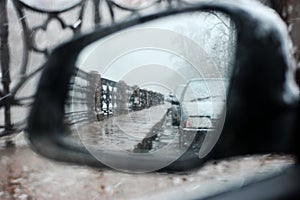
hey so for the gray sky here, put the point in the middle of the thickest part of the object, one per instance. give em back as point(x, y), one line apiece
point(165, 52)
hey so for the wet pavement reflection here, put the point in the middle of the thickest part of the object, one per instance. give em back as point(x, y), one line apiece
point(146, 130)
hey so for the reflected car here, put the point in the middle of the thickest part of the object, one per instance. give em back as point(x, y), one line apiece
point(170, 98)
point(201, 106)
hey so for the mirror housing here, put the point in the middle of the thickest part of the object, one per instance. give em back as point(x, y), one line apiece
point(262, 100)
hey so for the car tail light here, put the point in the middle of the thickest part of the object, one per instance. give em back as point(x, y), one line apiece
point(198, 122)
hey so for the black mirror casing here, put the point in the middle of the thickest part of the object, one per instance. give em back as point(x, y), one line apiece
point(262, 106)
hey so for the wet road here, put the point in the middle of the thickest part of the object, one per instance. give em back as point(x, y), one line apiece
point(125, 132)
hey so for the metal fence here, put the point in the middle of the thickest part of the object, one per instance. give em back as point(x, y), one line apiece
point(23, 52)
point(94, 98)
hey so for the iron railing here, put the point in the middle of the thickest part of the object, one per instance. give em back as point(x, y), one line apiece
point(94, 98)
point(34, 18)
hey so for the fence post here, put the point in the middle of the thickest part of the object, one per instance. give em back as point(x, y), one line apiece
point(121, 98)
point(5, 60)
point(93, 95)
point(98, 102)
point(136, 98)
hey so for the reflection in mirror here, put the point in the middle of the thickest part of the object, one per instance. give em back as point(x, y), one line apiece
point(157, 89)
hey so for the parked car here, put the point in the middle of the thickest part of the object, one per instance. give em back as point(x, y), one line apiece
point(201, 105)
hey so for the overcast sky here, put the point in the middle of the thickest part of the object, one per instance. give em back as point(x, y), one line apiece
point(158, 55)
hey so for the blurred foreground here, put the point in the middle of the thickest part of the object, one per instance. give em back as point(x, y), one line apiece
point(26, 175)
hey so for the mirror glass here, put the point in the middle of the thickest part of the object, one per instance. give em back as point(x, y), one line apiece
point(154, 91)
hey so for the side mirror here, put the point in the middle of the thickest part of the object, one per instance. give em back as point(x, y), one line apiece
point(250, 109)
